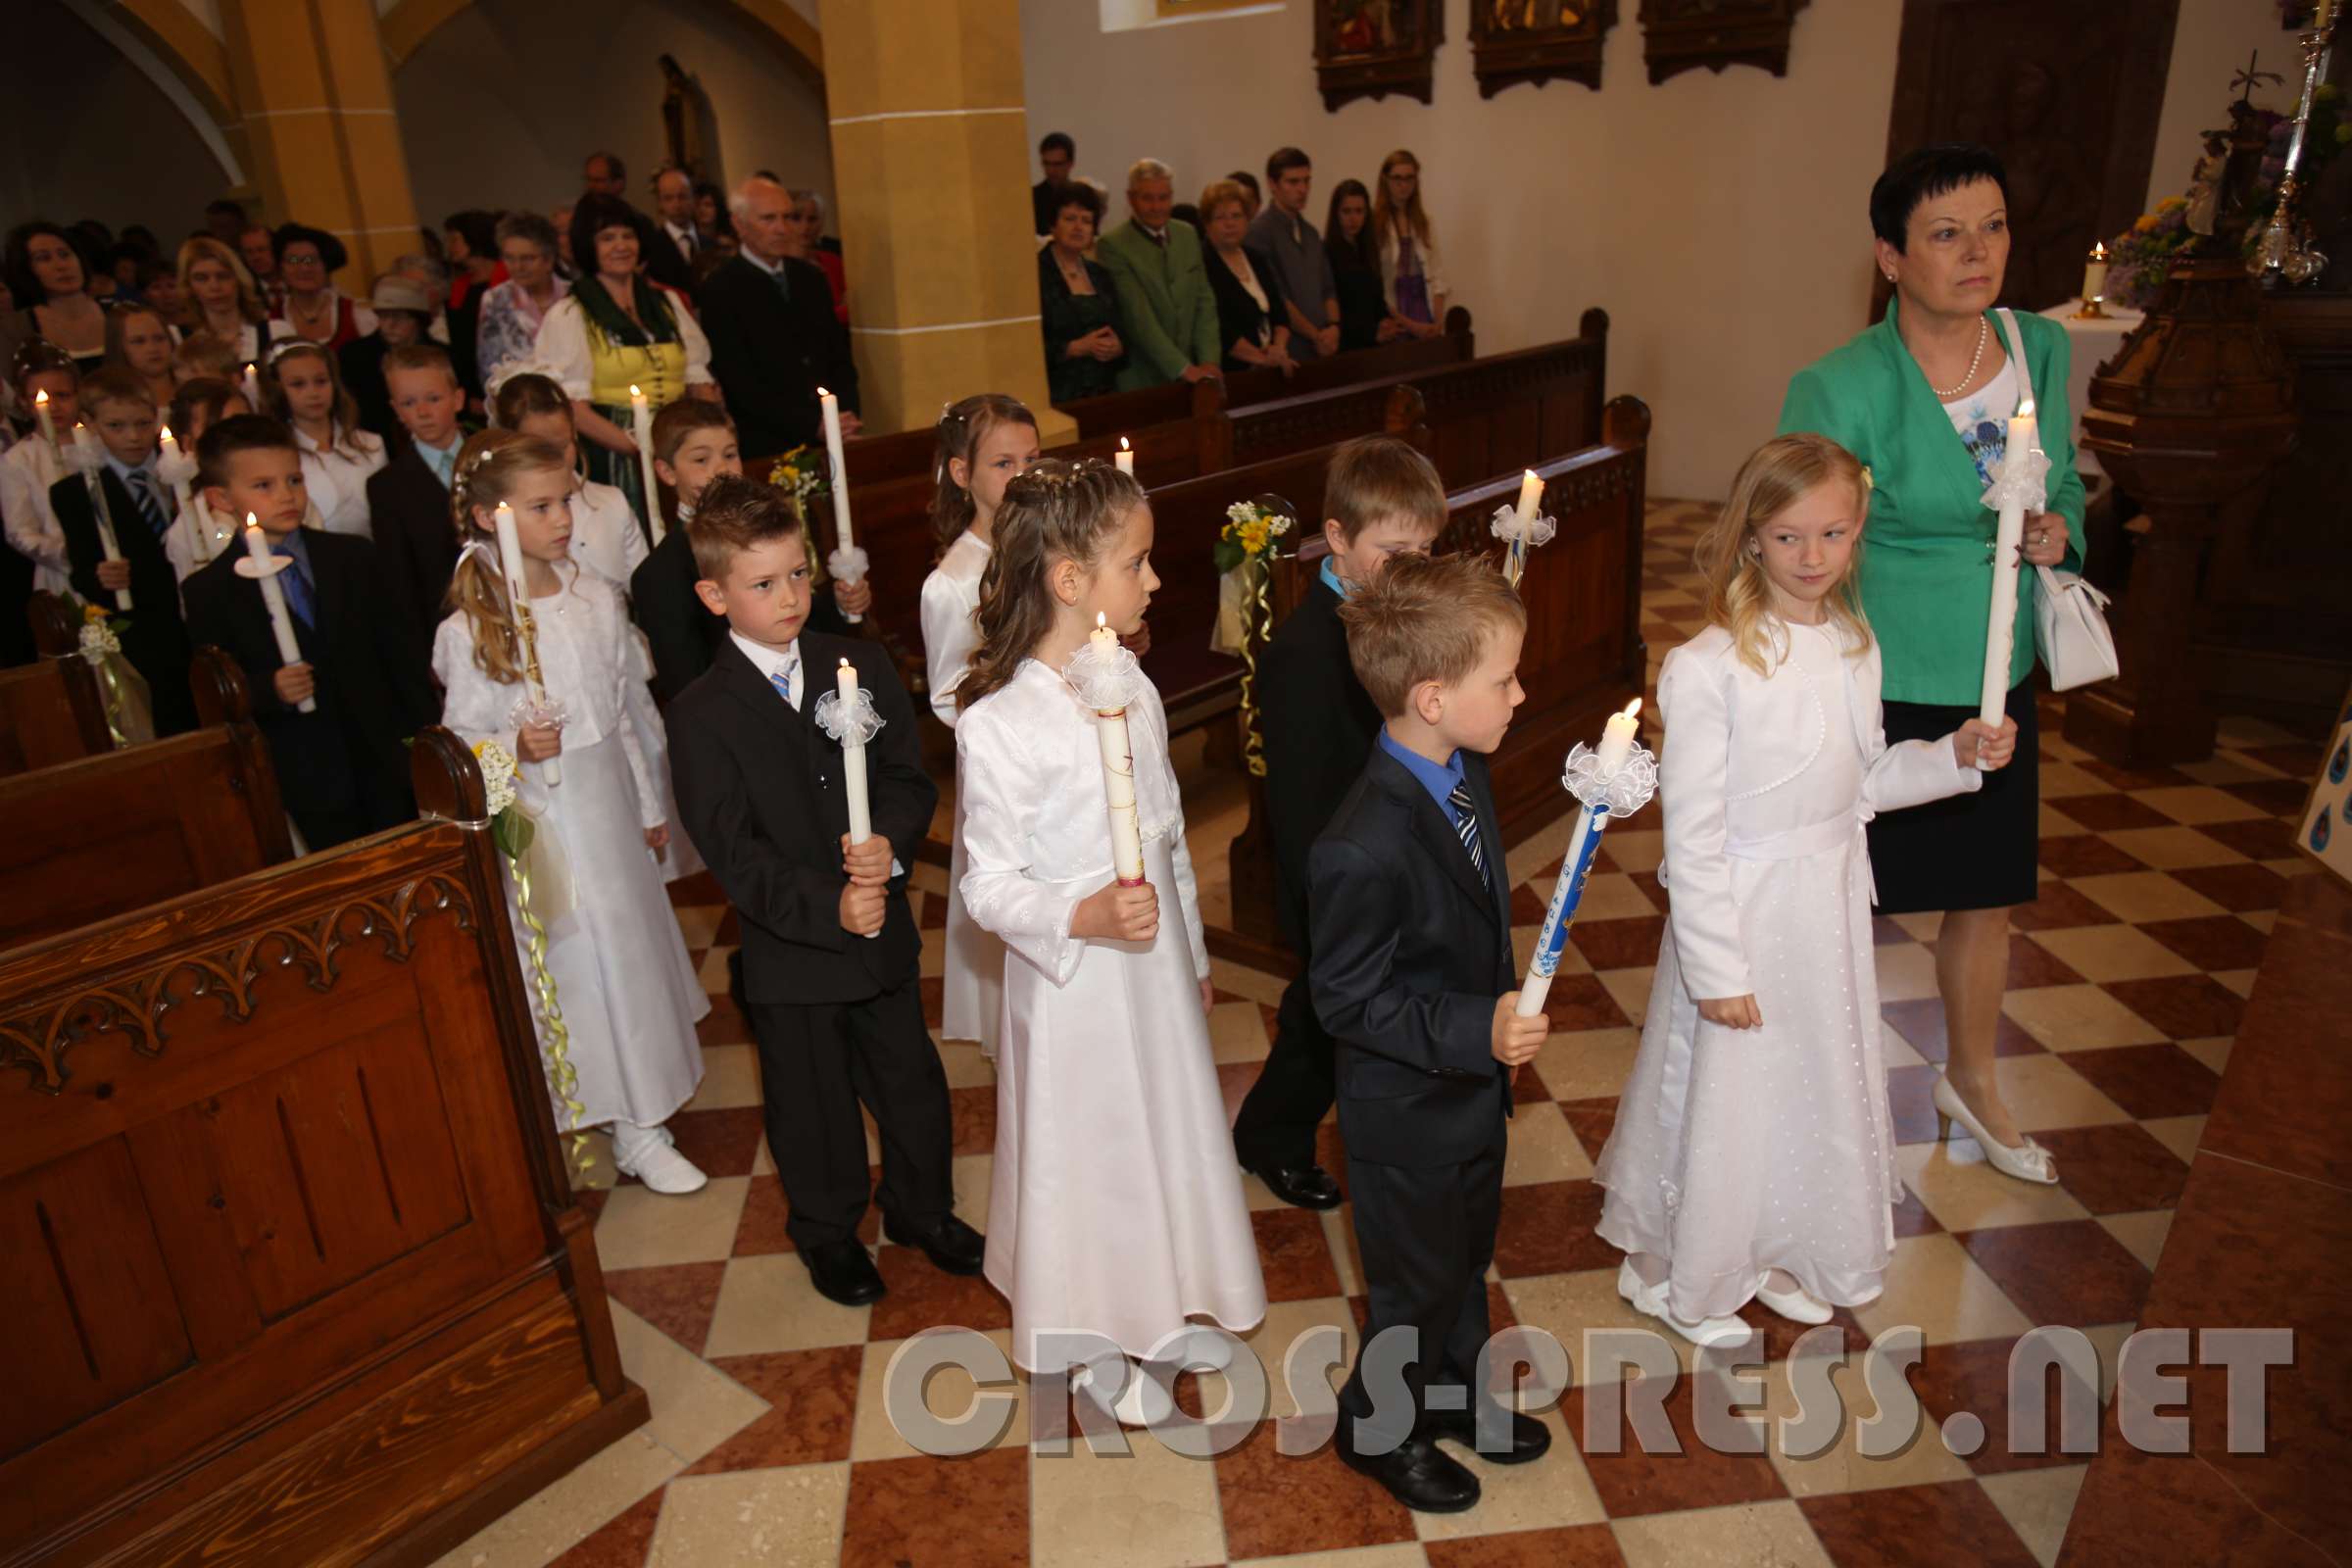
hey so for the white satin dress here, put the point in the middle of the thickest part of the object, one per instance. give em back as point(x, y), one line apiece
point(1740, 1151)
point(1115, 1207)
point(972, 975)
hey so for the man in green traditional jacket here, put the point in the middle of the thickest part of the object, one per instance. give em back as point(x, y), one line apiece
point(1167, 314)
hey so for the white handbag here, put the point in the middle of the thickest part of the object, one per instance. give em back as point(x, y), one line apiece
point(2077, 648)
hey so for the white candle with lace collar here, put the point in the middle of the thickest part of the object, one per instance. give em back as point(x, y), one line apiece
point(837, 474)
point(274, 597)
point(641, 427)
point(1118, 771)
point(852, 757)
point(2000, 628)
point(1609, 758)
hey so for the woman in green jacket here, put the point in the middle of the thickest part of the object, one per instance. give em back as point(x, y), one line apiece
point(1924, 399)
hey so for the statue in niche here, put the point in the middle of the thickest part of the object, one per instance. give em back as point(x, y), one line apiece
point(2205, 186)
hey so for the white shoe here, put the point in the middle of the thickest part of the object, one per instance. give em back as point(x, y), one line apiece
point(655, 1161)
point(1798, 1305)
point(1143, 1403)
point(2027, 1161)
point(1651, 1300)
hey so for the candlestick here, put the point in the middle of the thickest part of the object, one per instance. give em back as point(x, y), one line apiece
point(1104, 675)
point(92, 463)
point(847, 713)
point(2017, 490)
point(1124, 457)
point(847, 562)
point(640, 426)
point(518, 597)
point(253, 389)
point(40, 411)
point(264, 568)
point(2094, 280)
point(1617, 780)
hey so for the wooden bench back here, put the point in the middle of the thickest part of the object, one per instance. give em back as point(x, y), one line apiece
point(51, 711)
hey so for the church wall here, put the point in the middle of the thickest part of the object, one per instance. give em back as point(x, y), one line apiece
point(2211, 45)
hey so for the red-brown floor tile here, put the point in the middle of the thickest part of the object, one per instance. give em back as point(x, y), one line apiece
point(975, 1118)
point(1581, 1002)
point(2084, 855)
point(923, 1297)
point(677, 1299)
point(2070, 1272)
point(1526, 908)
point(813, 1405)
point(2215, 943)
point(689, 892)
point(1275, 1506)
point(1633, 1482)
point(2032, 965)
point(1921, 1024)
point(730, 928)
point(1631, 944)
point(2059, 906)
point(2185, 1007)
point(2130, 779)
point(2131, 1498)
point(2261, 838)
point(1547, 1229)
point(620, 1542)
point(2160, 1080)
point(723, 1143)
point(1567, 1547)
point(1527, 1089)
point(970, 1512)
point(1652, 888)
point(1911, 1217)
point(1591, 1120)
point(934, 915)
point(2239, 889)
point(1954, 1524)
point(2106, 813)
point(2116, 1169)
point(1293, 1255)
point(761, 1227)
point(1911, 1099)
point(1974, 1376)
point(1781, 1335)
point(934, 994)
point(2280, 797)
point(723, 1026)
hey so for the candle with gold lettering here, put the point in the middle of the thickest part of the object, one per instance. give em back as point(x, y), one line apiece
point(1118, 771)
point(2095, 274)
point(641, 427)
point(518, 598)
point(265, 568)
point(1125, 457)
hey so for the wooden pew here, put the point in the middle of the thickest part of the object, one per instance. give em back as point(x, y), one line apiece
point(1583, 660)
point(124, 828)
point(296, 1273)
point(51, 711)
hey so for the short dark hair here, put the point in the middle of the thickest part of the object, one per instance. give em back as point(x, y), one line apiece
point(1285, 157)
point(331, 249)
point(481, 230)
point(16, 262)
point(1057, 143)
point(225, 207)
point(1924, 172)
point(595, 212)
point(1244, 178)
point(733, 516)
point(614, 167)
point(1078, 193)
point(224, 439)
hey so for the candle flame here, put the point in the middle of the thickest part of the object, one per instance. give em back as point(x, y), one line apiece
point(2098, 252)
point(1632, 707)
point(633, 392)
point(845, 662)
point(252, 521)
point(1124, 446)
point(1101, 619)
point(1531, 473)
point(503, 507)
point(40, 398)
point(822, 393)
point(2024, 410)
point(165, 434)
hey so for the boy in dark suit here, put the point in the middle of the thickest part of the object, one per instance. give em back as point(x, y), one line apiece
point(138, 506)
point(1382, 500)
point(407, 498)
point(1409, 907)
point(343, 770)
point(829, 943)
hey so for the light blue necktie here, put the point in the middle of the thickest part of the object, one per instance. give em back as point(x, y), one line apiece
point(781, 680)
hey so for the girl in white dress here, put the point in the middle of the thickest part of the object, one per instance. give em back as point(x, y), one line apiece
point(1753, 1154)
point(305, 388)
point(1114, 1206)
point(629, 994)
point(31, 465)
point(984, 442)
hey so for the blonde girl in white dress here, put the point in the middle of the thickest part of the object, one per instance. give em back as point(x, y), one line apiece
point(629, 994)
point(304, 387)
point(1754, 1154)
point(1115, 1207)
point(985, 442)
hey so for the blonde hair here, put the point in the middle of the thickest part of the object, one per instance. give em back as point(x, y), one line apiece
point(201, 354)
point(342, 417)
point(490, 467)
point(1377, 477)
point(1775, 476)
point(1386, 217)
point(205, 248)
point(1217, 192)
point(1424, 618)
point(1144, 168)
point(1056, 510)
point(963, 427)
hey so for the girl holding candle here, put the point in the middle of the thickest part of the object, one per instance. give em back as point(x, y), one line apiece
point(1116, 1207)
point(985, 442)
point(1922, 400)
point(306, 390)
point(1754, 1156)
point(604, 532)
point(47, 393)
point(196, 406)
point(629, 994)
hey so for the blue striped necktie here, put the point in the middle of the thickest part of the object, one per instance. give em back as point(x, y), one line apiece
point(1465, 827)
point(781, 680)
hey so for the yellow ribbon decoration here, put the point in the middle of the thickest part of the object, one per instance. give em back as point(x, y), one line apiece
point(1256, 612)
point(562, 1076)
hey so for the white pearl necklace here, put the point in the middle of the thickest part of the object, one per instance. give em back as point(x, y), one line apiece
point(1983, 335)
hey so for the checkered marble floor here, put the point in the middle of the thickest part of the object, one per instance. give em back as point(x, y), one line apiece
point(769, 1441)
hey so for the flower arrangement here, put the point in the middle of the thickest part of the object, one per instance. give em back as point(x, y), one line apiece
point(801, 474)
point(510, 828)
point(1249, 533)
point(98, 632)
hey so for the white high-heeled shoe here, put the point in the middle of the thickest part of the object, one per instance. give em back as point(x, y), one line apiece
point(1797, 1306)
point(2027, 1161)
point(1651, 1300)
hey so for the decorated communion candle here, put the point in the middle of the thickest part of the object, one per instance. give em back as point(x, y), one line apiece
point(273, 596)
point(519, 595)
point(2000, 629)
point(1616, 746)
point(853, 758)
point(1531, 492)
point(1118, 773)
point(641, 426)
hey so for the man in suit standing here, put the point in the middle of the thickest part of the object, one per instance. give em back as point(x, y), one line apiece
point(1168, 312)
point(774, 339)
point(1410, 911)
point(677, 240)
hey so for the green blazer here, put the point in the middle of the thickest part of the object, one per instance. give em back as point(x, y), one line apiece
point(1167, 314)
point(1926, 549)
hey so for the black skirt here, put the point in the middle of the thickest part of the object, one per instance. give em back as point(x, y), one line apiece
point(1969, 852)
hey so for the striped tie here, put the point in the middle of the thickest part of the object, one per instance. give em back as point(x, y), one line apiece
point(1465, 827)
point(781, 680)
point(151, 507)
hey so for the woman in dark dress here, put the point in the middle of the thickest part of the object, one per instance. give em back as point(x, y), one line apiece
point(1253, 327)
point(1364, 316)
point(1079, 317)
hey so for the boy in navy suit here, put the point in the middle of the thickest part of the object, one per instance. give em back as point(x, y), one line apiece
point(407, 498)
point(1413, 973)
point(342, 769)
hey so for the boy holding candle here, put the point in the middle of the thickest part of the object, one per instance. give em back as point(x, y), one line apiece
point(762, 792)
point(1381, 498)
point(408, 498)
point(113, 519)
point(343, 767)
point(1409, 913)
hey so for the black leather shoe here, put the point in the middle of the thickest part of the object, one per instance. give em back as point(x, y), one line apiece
point(844, 1271)
point(951, 1245)
point(1529, 1438)
point(1309, 1187)
point(1418, 1476)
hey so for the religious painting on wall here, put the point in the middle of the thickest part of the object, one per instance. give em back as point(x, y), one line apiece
point(2324, 834)
point(1680, 35)
point(1372, 48)
point(1512, 41)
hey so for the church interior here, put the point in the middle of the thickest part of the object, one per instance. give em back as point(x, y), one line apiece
point(308, 1262)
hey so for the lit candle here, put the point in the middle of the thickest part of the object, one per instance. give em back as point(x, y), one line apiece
point(2095, 274)
point(519, 595)
point(1531, 491)
point(1118, 771)
point(852, 757)
point(843, 539)
point(1616, 748)
point(40, 411)
point(2000, 630)
point(252, 388)
point(640, 426)
point(182, 498)
point(265, 568)
point(92, 464)
point(1125, 457)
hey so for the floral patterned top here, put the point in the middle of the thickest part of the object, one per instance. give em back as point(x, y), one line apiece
point(1983, 419)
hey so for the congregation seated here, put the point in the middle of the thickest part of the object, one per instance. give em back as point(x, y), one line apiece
point(1078, 311)
point(1252, 319)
